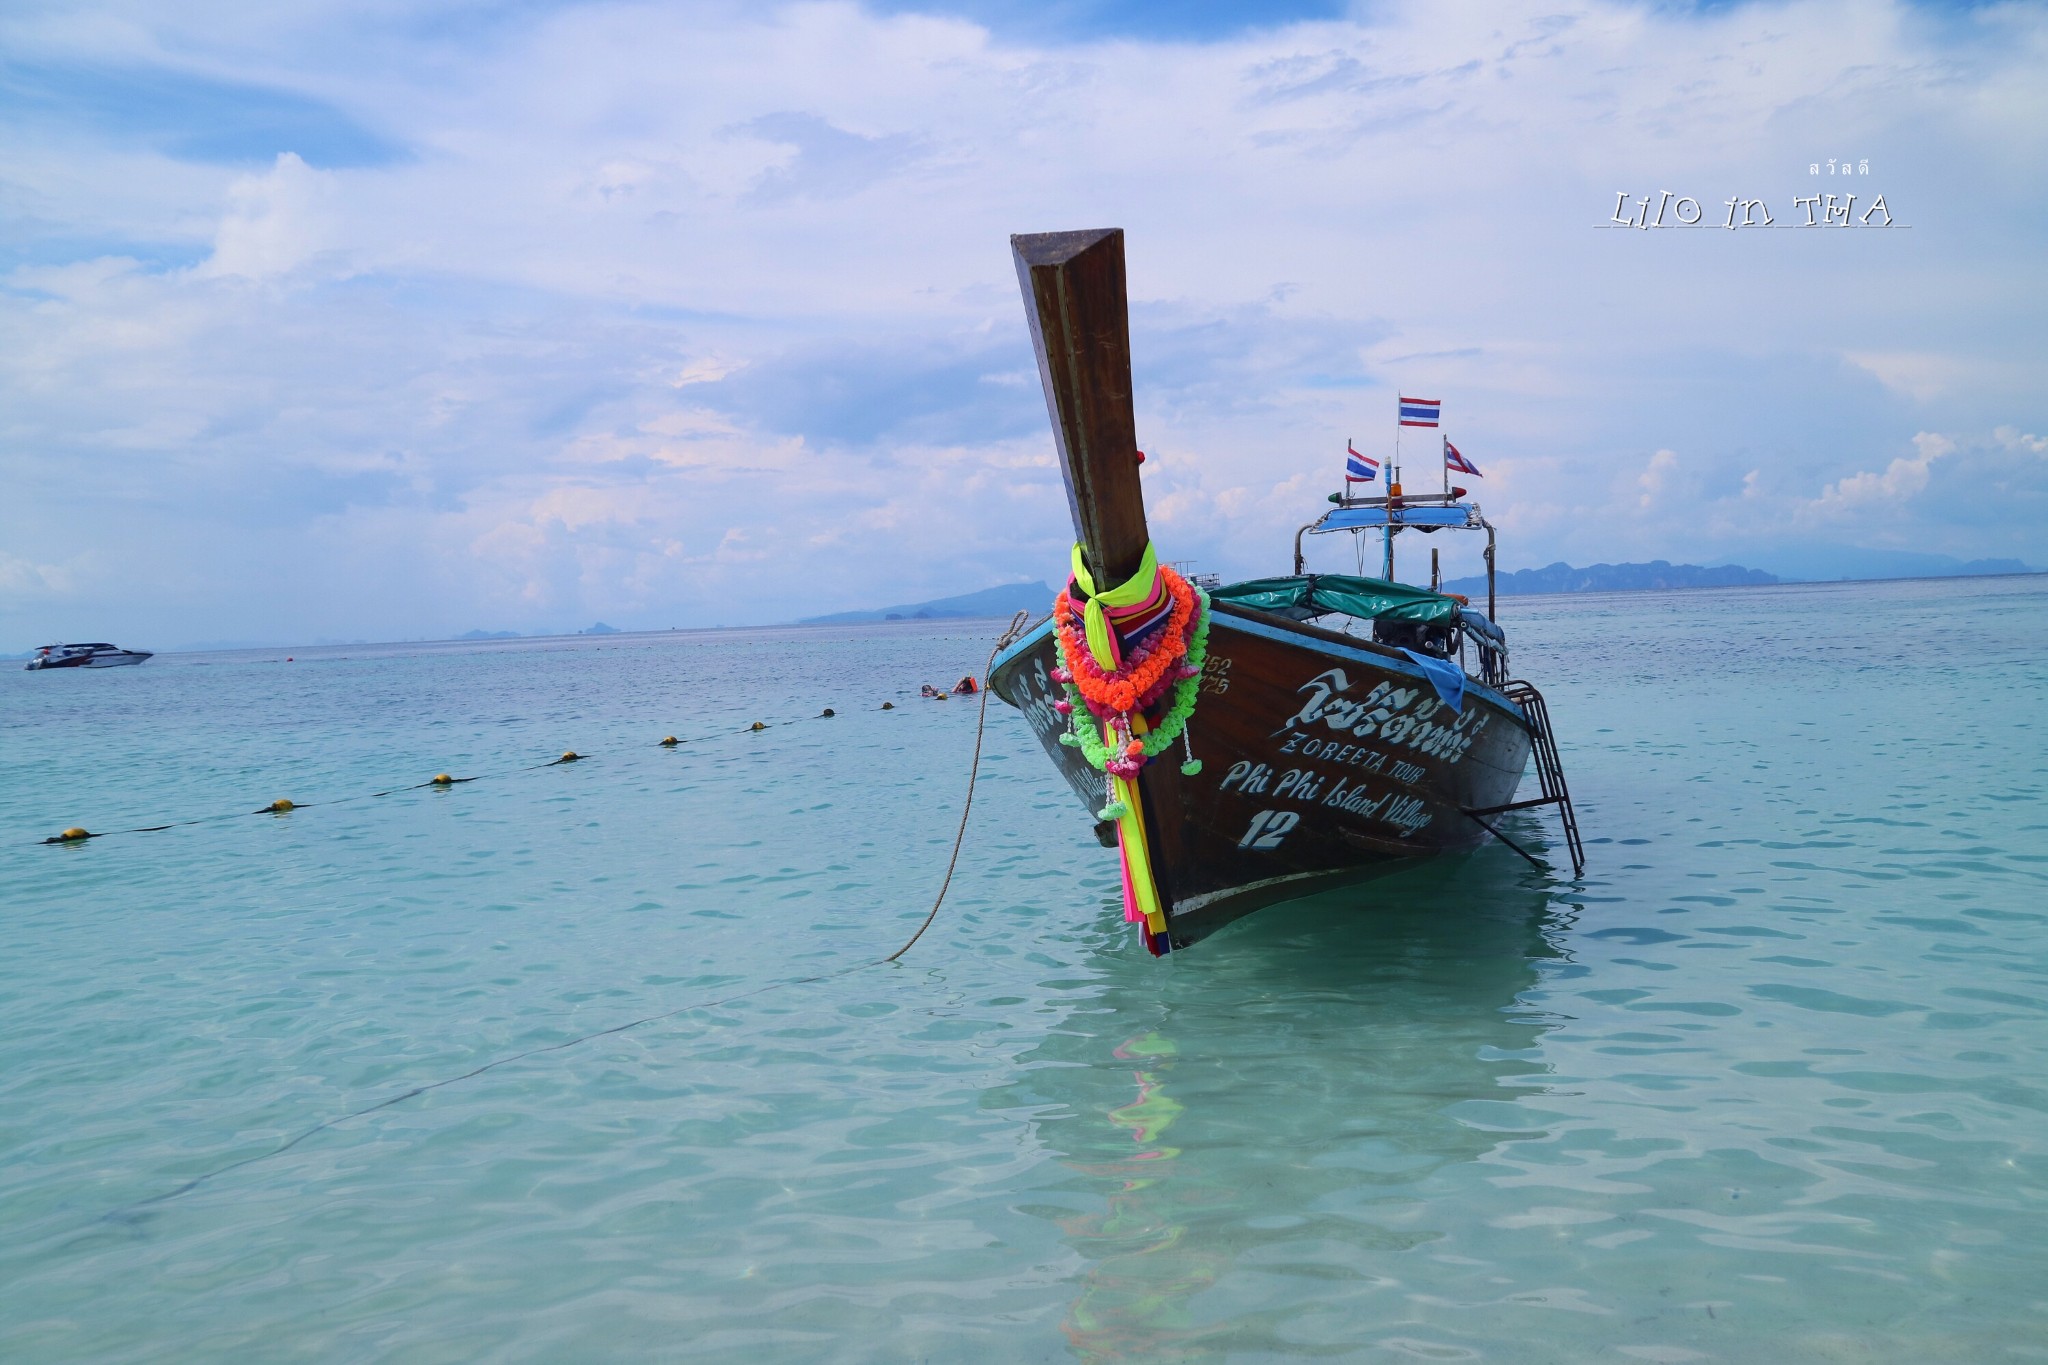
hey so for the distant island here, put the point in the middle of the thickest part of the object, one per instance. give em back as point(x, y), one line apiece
point(1823, 565)
point(598, 629)
point(1657, 575)
point(999, 601)
point(1660, 575)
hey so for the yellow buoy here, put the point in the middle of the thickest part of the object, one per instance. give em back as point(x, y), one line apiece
point(757, 725)
point(670, 742)
point(888, 706)
point(570, 756)
point(279, 806)
point(72, 835)
point(443, 780)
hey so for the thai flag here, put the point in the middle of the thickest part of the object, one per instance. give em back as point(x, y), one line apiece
point(1456, 461)
point(1359, 468)
point(1420, 412)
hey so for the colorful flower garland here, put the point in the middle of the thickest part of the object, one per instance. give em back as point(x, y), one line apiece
point(1118, 698)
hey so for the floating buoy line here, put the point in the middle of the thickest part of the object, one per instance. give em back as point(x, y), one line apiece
point(78, 834)
point(1016, 629)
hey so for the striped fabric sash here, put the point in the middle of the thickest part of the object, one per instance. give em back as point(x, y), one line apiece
point(1123, 615)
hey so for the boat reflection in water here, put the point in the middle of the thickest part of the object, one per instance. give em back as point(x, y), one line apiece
point(1280, 1111)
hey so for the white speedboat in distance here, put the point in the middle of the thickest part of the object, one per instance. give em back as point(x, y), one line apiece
point(86, 656)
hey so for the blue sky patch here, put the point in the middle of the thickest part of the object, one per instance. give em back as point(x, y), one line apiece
point(1157, 20)
point(192, 118)
point(860, 392)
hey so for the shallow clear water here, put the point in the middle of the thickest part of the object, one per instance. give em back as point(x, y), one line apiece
point(1771, 1084)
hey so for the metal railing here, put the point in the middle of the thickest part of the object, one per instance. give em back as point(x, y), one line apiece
point(1549, 771)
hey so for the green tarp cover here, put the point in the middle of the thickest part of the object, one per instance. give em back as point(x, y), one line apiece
point(1369, 599)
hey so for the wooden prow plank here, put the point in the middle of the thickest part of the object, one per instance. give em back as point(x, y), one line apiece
point(1073, 285)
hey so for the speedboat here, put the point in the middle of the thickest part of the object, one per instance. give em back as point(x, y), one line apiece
point(86, 656)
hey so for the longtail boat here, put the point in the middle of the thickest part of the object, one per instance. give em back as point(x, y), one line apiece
point(1258, 742)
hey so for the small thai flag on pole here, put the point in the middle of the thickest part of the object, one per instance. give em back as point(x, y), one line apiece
point(1359, 468)
point(1456, 461)
point(1420, 412)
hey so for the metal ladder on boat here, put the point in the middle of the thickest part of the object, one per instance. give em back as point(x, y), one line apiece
point(1549, 774)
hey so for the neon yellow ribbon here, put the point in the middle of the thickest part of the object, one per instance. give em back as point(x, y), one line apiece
point(1130, 828)
point(1131, 824)
point(1128, 593)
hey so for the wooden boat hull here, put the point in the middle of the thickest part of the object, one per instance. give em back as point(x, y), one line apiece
point(1326, 759)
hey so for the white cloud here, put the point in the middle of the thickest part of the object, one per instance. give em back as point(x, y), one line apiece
point(2012, 438)
point(1903, 478)
point(23, 583)
point(657, 292)
point(275, 222)
point(707, 370)
point(1656, 478)
point(1920, 375)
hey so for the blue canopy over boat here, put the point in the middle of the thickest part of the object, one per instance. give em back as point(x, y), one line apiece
point(1456, 515)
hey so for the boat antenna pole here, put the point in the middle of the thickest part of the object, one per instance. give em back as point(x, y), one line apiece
point(1393, 483)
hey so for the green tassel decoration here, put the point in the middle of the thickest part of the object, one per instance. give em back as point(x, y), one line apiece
point(1114, 811)
point(1191, 767)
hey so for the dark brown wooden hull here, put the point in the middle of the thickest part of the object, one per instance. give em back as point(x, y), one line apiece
point(1325, 759)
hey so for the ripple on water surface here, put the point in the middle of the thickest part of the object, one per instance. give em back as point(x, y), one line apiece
point(1769, 1084)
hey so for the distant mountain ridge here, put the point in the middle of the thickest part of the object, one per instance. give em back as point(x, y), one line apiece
point(1657, 575)
point(997, 601)
point(1662, 575)
point(1833, 563)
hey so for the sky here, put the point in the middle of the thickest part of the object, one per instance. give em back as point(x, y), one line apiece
point(367, 319)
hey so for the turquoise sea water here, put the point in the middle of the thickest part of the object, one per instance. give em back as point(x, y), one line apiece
point(1770, 1084)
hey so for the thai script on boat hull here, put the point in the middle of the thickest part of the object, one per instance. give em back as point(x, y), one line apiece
point(1395, 715)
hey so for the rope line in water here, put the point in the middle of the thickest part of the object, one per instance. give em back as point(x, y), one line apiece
point(1016, 628)
point(79, 836)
